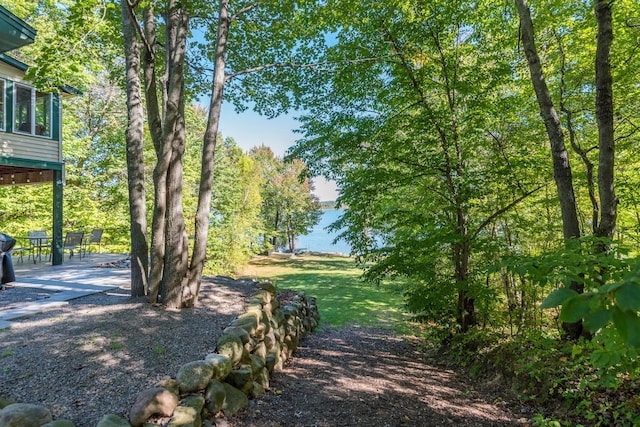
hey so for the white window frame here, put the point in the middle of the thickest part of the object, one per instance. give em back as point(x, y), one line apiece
point(32, 106)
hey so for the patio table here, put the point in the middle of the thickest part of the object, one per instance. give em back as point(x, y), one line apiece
point(35, 242)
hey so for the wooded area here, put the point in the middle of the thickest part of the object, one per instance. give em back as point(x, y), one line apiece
point(486, 152)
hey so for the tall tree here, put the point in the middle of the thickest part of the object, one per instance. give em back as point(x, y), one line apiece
point(171, 277)
point(410, 141)
point(134, 137)
point(604, 116)
point(289, 208)
point(236, 225)
point(561, 165)
point(604, 113)
point(208, 152)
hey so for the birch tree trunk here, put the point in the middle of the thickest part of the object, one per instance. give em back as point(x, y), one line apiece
point(134, 136)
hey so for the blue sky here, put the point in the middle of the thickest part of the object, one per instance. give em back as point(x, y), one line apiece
point(249, 129)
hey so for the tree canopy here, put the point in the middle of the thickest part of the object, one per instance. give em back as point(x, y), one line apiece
point(486, 152)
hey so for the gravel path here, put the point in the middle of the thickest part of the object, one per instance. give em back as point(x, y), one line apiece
point(368, 377)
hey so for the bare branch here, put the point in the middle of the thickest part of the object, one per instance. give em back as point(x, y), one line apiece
point(244, 10)
point(503, 210)
point(131, 5)
point(320, 66)
point(631, 133)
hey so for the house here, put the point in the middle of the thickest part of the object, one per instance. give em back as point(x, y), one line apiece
point(30, 125)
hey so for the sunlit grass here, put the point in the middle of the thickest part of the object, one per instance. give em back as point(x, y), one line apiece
point(343, 297)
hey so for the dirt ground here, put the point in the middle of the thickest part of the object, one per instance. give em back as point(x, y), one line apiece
point(368, 377)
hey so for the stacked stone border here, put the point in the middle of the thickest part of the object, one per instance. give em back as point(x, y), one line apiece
point(251, 349)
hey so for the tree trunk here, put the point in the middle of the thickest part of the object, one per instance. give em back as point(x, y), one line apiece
point(163, 154)
point(462, 257)
point(176, 242)
point(561, 167)
point(208, 154)
point(168, 244)
point(274, 239)
point(134, 136)
point(174, 137)
point(604, 115)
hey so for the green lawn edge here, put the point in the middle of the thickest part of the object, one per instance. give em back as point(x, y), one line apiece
point(343, 298)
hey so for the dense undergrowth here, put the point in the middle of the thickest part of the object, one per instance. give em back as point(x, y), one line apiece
point(561, 379)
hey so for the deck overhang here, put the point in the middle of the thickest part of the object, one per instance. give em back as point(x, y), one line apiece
point(14, 32)
point(15, 171)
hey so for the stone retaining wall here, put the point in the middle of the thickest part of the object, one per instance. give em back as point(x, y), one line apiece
point(254, 346)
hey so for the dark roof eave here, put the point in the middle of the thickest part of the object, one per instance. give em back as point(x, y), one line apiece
point(70, 90)
point(14, 62)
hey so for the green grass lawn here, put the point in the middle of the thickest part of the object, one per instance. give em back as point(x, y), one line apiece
point(343, 298)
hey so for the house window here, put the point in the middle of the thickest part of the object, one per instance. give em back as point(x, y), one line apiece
point(2, 86)
point(32, 111)
point(43, 114)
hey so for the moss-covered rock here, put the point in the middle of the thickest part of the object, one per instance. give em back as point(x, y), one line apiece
point(60, 423)
point(194, 376)
point(231, 346)
point(24, 415)
point(154, 401)
point(112, 420)
point(185, 416)
point(170, 384)
point(235, 401)
point(222, 365)
point(215, 396)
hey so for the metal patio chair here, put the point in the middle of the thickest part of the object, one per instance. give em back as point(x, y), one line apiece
point(73, 242)
point(93, 239)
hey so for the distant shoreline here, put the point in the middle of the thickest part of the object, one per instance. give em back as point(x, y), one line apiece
point(302, 252)
point(328, 205)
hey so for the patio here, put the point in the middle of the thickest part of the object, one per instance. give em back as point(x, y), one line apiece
point(42, 286)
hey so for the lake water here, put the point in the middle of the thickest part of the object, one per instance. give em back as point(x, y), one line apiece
point(319, 240)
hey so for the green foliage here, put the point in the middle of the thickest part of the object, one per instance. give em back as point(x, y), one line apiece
point(235, 223)
point(421, 149)
point(75, 39)
point(289, 207)
point(610, 280)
